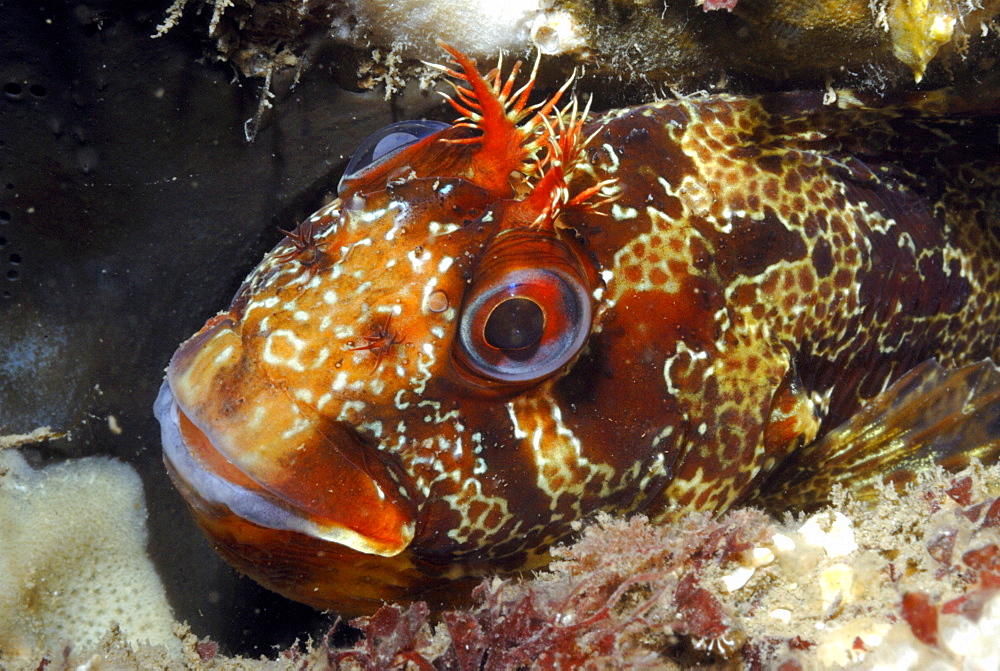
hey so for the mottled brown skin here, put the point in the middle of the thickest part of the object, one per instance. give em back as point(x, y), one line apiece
point(790, 316)
point(756, 268)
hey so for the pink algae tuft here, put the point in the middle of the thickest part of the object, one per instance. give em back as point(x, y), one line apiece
point(394, 637)
point(714, 5)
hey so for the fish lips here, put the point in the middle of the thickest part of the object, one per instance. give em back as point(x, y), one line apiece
point(301, 473)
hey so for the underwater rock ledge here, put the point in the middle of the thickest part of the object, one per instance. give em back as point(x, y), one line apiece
point(681, 44)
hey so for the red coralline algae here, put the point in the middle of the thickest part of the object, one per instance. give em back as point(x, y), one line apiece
point(207, 650)
point(942, 547)
point(969, 605)
point(626, 593)
point(921, 616)
point(961, 491)
point(982, 558)
point(702, 614)
point(713, 5)
point(992, 517)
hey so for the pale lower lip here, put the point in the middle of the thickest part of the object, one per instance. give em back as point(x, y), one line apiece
point(213, 489)
point(253, 506)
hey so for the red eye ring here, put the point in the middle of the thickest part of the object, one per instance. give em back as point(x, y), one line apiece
point(524, 325)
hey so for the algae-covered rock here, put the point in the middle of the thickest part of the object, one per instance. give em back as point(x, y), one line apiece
point(683, 44)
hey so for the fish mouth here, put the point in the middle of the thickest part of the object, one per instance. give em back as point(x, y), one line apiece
point(325, 484)
point(241, 499)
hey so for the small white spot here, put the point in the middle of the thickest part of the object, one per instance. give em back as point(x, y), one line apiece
point(612, 156)
point(296, 343)
point(223, 356)
point(259, 413)
point(782, 614)
point(298, 426)
point(375, 428)
point(418, 260)
point(401, 404)
point(350, 409)
point(620, 213)
point(324, 354)
point(339, 382)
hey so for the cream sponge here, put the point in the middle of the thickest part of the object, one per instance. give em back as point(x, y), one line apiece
point(73, 558)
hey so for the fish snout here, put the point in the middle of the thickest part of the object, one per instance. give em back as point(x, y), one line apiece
point(267, 476)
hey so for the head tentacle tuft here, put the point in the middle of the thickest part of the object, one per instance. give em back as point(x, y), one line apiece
point(550, 196)
point(512, 132)
point(526, 153)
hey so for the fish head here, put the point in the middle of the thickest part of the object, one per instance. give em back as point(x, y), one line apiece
point(342, 431)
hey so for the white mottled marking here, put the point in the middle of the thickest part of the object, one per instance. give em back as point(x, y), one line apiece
point(223, 356)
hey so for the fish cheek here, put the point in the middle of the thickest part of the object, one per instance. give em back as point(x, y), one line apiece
point(641, 436)
point(487, 494)
point(629, 352)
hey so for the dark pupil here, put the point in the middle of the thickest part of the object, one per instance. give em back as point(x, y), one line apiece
point(514, 324)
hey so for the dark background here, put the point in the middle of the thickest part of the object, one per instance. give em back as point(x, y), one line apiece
point(131, 207)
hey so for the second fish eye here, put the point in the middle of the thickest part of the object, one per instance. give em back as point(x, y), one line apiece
point(524, 325)
point(386, 142)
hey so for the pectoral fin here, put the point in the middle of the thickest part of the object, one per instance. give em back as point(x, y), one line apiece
point(929, 416)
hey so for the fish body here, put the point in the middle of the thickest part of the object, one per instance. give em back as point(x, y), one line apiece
point(506, 324)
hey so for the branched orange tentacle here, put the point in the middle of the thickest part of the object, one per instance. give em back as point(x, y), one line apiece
point(509, 84)
point(537, 146)
point(550, 194)
point(508, 145)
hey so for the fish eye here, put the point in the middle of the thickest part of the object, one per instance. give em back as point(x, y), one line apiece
point(387, 142)
point(514, 324)
point(525, 325)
